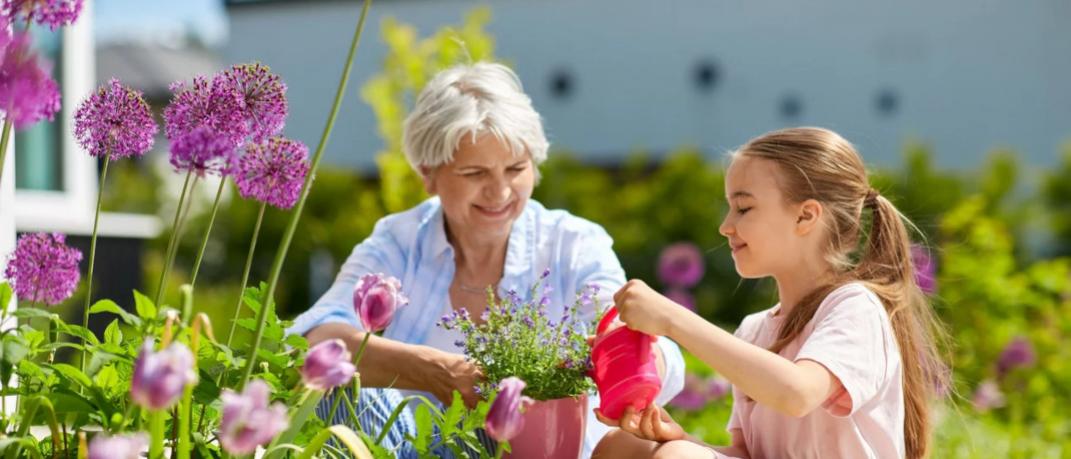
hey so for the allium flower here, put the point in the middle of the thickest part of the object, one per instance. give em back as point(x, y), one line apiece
point(216, 104)
point(43, 269)
point(681, 297)
point(987, 396)
point(693, 396)
point(160, 377)
point(718, 387)
point(1018, 353)
point(128, 446)
point(375, 300)
point(925, 269)
point(505, 419)
point(328, 365)
point(263, 97)
point(115, 121)
point(273, 172)
point(203, 150)
point(681, 265)
point(28, 93)
point(248, 421)
point(53, 13)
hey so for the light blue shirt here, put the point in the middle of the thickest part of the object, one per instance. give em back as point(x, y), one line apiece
point(412, 247)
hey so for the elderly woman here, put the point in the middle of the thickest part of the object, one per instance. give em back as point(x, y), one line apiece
point(476, 141)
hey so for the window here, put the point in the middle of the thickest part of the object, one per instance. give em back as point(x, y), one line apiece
point(38, 155)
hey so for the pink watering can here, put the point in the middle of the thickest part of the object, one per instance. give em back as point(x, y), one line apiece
point(623, 368)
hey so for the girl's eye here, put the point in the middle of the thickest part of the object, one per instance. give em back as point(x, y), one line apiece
point(473, 174)
point(743, 210)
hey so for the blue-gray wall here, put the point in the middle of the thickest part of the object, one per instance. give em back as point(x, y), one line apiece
point(966, 76)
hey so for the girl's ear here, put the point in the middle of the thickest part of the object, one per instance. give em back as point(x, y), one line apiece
point(810, 213)
point(427, 175)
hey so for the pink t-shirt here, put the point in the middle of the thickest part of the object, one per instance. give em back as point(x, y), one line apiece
point(851, 336)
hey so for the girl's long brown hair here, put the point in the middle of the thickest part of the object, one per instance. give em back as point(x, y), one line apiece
point(819, 164)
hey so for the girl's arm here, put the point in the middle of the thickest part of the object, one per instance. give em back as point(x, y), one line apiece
point(738, 449)
point(791, 388)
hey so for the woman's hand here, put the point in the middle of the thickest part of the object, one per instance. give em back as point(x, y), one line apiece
point(653, 424)
point(645, 310)
point(446, 372)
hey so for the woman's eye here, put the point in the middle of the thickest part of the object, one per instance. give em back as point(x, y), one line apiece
point(516, 170)
point(473, 174)
point(743, 210)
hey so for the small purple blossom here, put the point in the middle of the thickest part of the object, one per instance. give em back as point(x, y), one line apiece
point(43, 269)
point(263, 99)
point(115, 121)
point(681, 265)
point(160, 377)
point(681, 297)
point(505, 419)
point(1018, 353)
point(51, 13)
point(328, 365)
point(376, 298)
point(214, 103)
point(248, 421)
point(459, 343)
point(925, 269)
point(202, 151)
point(718, 387)
point(693, 396)
point(273, 172)
point(28, 93)
point(128, 446)
point(987, 396)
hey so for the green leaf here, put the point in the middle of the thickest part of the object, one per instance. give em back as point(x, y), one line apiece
point(107, 378)
point(113, 334)
point(33, 313)
point(110, 306)
point(146, 309)
point(5, 296)
point(79, 331)
point(424, 428)
point(66, 401)
point(14, 351)
point(72, 373)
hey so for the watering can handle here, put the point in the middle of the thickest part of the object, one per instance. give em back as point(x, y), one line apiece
point(611, 314)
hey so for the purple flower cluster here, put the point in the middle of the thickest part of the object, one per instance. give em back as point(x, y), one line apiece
point(160, 377)
point(202, 151)
point(925, 269)
point(698, 392)
point(1018, 353)
point(248, 420)
point(263, 99)
point(115, 121)
point(681, 265)
point(28, 93)
point(51, 13)
point(43, 269)
point(215, 104)
point(273, 172)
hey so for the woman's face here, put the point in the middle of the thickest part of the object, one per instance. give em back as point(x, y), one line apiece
point(485, 188)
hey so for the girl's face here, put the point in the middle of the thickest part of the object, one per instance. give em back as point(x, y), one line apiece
point(484, 189)
point(762, 227)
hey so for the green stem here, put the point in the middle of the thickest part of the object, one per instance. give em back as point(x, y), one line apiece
point(156, 433)
point(499, 451)
point(309, 399)
point(185, 408)
point(245, 273)
point(204, 241)
point(171, 242)
point(4, 139)
point(280, 255)
point(339, 392)
point(93, 253)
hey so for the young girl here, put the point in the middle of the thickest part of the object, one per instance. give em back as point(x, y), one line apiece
point(845, 364)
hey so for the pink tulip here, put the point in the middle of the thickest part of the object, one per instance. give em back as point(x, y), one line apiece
point(118, 447)
point(248, 421)
point(160, 377)
point(375, 299)
point(505, 419)
point(328, 365)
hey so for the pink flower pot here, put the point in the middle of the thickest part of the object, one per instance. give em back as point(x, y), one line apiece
point(553, 429)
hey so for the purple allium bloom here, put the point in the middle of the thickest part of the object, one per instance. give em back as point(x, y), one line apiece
point(1018, 353)
point(128, 446)
point(681, 297)
point(693, 396)
point(263, 96)
point(248, 421)
point(273, 172)
point(51, 13)
point(718, 387)
point(202, 151)
point(28, 93)
point(114, 121)
point(925, 269)
point(987, 396)
point(681, 265)
point(216, 104)
point(328, 365)
point(160, 377)
point(43, 269)
point(505, 419)
point(375, 300)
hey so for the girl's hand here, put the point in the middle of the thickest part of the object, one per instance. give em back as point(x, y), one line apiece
point(653, 424)
point(643, 309)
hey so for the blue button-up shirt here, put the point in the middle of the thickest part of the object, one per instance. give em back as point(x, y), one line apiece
point(412, 247)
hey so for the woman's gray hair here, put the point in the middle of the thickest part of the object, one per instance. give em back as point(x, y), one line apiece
point(471, 100)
